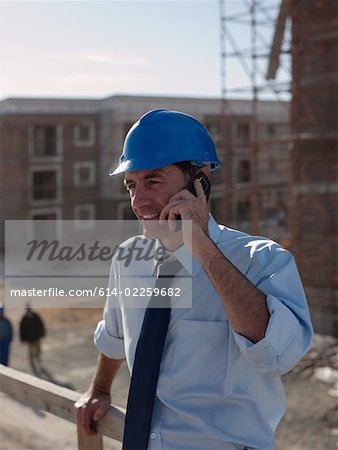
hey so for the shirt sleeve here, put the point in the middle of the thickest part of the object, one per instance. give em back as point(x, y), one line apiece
point(289, 332)
point(108, 335)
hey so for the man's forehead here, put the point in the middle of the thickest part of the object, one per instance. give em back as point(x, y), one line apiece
point(147, 173)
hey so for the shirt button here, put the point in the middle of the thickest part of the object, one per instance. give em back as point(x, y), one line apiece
point(153, 435)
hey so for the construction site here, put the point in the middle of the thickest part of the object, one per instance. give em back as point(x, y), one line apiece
point(304, 47)
point(277, 137)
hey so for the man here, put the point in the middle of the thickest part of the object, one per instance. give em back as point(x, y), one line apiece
point(6, 336)
point(32, 330)
point(219, 383)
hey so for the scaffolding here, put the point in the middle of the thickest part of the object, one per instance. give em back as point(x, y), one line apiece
point(245, 40)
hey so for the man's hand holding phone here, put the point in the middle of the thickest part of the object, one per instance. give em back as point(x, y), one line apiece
point(189, 207)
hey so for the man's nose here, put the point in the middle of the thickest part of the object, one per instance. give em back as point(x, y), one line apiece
point(141, 198)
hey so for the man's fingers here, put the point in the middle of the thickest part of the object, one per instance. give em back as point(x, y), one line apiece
point(199, 189)
point(79, 404)
point(88, 413)
point(100, 412)
point(84, 419)
point(172, 221)
point(185, 194)
point(183, 204)
point(164, 216)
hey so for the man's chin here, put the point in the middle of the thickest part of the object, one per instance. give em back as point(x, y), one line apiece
point(153, 230)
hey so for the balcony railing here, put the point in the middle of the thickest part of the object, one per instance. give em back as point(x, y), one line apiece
point(59, 401)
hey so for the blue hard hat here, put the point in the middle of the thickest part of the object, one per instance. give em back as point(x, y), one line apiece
point(161, 137)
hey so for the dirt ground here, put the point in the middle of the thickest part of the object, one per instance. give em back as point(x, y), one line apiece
point(311, 421)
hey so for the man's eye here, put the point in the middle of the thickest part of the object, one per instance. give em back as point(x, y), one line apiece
point(130, 187)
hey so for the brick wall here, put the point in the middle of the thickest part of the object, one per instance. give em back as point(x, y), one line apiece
point(314, 162)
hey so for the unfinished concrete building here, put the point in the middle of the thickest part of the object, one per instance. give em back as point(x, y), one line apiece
point(313, 179)
point(56, 154)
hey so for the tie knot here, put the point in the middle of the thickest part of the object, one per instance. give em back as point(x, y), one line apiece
point(168, 269)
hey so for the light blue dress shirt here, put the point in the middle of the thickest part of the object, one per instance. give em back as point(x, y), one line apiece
point(216, 389)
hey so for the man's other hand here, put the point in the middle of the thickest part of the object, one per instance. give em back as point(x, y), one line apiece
point(89, 409)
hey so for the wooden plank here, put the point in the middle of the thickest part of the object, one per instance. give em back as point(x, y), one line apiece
point(85, 442)
point(54, 399)
point(277, 40)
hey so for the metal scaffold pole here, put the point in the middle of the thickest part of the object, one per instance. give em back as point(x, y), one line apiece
point(254, 213)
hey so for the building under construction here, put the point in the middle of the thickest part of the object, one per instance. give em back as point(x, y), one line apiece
point(56, 154)
point(305, 37)
point(313, 173)
point(313, 201)
point(280, 172)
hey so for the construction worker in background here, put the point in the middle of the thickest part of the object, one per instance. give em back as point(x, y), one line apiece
point(205, 376)
point(6, 336)
point(32, 330)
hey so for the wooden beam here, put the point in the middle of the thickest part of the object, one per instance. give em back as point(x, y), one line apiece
point(277, 41)
point(54, 399)
point(85, 442)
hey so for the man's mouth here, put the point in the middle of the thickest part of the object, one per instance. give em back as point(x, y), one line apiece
point(149, 217)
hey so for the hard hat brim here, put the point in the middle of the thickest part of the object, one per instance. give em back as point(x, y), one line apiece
point(123, 167)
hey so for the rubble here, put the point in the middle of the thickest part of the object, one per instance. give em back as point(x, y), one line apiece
point(321, 362)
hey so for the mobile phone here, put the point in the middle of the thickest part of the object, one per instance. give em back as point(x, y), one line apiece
point(204, 180)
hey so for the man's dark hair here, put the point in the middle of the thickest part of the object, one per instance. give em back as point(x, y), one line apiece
point(189, 170)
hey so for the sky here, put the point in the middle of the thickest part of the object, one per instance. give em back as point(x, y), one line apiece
point(102, 48)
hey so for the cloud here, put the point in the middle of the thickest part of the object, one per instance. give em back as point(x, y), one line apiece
point(113, 60)
point(96, 57)
point(83, 78)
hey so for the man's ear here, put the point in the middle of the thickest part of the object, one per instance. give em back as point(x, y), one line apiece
point(206, 171)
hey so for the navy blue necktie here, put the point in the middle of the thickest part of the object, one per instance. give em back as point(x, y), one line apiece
point(147, 362)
